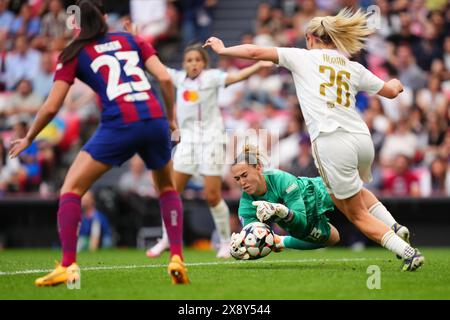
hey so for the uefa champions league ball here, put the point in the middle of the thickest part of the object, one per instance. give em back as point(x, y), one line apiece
point(258, 239)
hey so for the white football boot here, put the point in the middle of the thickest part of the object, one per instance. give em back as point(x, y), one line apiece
point(158, 248)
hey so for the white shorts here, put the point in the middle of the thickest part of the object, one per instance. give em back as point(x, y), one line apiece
point(199, 159)
point(344, 161)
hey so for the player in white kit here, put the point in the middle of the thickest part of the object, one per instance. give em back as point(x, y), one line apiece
point(327, 82)
point(201, 150)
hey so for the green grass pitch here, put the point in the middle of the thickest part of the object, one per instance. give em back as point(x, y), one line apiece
point(335, 273)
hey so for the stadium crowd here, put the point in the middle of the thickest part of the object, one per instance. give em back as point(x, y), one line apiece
point(411, 133)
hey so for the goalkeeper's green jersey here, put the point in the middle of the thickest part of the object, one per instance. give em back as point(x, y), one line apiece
point(307, 198)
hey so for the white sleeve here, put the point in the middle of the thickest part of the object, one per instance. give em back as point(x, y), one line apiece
point(173, 75)
point(291, 58)
point(369, 82)
point(218, 77)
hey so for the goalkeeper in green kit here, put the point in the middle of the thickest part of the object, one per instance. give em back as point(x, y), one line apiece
point(296, 204)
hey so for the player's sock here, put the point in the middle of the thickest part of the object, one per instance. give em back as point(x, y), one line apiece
point(69, 217)
point(379, 211)
point(221, 217)
point(294, 243)
point(393, 242)
point(172, 214)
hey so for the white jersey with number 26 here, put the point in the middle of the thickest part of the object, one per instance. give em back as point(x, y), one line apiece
point(327, 83)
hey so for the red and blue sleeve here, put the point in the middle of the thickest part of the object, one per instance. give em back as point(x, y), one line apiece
point(66, 71)
point(146, 49)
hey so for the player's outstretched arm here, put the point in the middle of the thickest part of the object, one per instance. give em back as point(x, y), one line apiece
point(245, 51)
point(391, 89)
point(247, 72)
point(45, 114)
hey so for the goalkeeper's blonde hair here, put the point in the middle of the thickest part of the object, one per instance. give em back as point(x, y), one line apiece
point(249, 155)
point(347, 30)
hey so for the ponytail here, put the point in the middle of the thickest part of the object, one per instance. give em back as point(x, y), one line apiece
point(92, 24)
point(347, 30)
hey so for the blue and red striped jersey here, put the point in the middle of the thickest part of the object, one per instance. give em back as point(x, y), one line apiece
point(113, 66)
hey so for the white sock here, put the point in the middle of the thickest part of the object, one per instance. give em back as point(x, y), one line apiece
point(379, 211)
point(221, 217)
point(394, 243)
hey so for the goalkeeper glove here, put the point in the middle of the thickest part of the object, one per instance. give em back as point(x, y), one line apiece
point(266, 210)
point(237, 250)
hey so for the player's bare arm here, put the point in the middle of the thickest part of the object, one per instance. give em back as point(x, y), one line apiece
point(391, 89)
point(45, 114)
point(159, 71)
point(245, 51)
point(247, 72)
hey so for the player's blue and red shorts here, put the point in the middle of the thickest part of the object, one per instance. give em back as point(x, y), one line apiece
point(132, 119)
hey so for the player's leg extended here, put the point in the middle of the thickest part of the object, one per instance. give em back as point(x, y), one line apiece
point(294, 243)
point(379, 211)
point(220, 213)
point(355, 210)
point(181, 180)
point(82, 174)
point(172, 213)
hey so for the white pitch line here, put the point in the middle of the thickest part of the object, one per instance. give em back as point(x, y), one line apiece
point(198, 264)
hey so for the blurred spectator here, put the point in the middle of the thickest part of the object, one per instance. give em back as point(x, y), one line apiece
point(196, 20)
point(436, 181)
point(43, 80)
point(303, 165)
point(137, 179)
point(307, 10)
point(289, 146)
point(9, 171)
point(401, 181)
point(399, 107)
point(380, 121)
point(30, 176)
point(377, 136)
point(264, 88)
point(149, 26)
point(54, 31)
point(22, 63)
point(2, 61)
point(447, 52)
point(275, 121)
point(95, 232)
point(6, 17)
point(436, 129)
point(427, 48)
point(432, 98)
point(401, 141)
point(25, 24)
point(23, 101)
point(409, 72)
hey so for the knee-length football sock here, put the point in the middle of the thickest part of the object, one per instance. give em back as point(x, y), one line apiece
point(69, 217)
point(172, 214)
point(221, 217)
point(379, 211)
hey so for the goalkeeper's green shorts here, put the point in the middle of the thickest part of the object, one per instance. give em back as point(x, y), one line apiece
point(320, 231)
